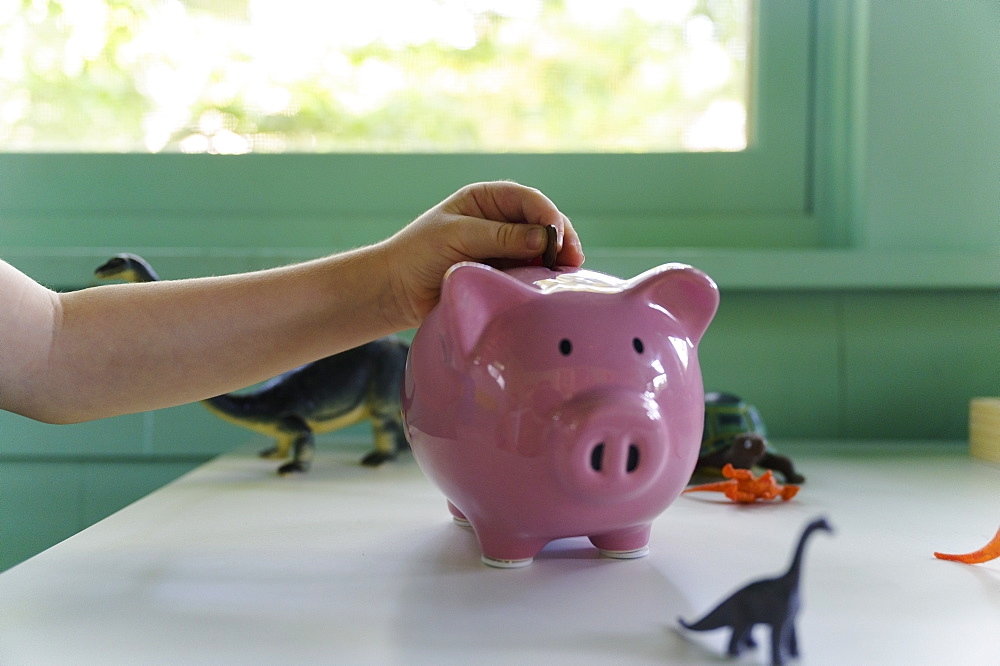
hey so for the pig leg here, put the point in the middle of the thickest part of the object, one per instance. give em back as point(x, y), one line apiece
point(624, 544)
point(505, 550)
point(458, 516)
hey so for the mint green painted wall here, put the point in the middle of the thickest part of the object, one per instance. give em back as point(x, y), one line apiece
point(870, 310)
point(932, 168)
point(44, 502)
point(857, 365)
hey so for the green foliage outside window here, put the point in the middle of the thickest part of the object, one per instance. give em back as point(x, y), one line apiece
point(236, 76)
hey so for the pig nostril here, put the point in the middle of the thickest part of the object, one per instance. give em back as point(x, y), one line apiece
point(633, 458)
point(597, 457)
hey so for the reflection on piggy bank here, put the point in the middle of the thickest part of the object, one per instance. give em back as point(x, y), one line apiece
point(549, 404)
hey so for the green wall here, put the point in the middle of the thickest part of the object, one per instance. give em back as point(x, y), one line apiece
point(932, 163)
point(866, 308)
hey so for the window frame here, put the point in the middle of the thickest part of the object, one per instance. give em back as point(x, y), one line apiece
point(758, 197)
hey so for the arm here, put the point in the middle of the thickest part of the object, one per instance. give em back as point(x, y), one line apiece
point(123, 348)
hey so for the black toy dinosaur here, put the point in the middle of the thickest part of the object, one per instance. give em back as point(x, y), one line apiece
point(771, 601)
point(328, 394)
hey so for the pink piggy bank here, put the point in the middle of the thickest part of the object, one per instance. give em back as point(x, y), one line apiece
point(549, 404)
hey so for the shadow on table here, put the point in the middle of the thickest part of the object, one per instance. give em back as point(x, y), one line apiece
point(569, 605)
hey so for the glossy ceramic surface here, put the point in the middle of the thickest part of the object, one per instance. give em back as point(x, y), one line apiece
point(549, 404)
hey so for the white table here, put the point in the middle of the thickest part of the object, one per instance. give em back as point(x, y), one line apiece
point(232, 564)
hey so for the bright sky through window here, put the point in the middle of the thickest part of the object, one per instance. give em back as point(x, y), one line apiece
point(238, 76)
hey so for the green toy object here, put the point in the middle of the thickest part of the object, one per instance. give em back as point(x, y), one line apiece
point(322, 396)
point(735, 434)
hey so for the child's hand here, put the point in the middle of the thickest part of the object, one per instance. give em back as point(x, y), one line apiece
point(501, 223)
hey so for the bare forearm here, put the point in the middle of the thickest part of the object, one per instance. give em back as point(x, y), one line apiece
point(119, 349)
point(128, 348)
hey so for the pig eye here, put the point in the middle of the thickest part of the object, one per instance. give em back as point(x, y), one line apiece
point(637, 345)
point(565, 347)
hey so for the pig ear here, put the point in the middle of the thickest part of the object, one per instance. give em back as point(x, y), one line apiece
point(689, 295)
point(472, 295)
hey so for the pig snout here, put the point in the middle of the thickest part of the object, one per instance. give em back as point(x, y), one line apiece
point(614, 442)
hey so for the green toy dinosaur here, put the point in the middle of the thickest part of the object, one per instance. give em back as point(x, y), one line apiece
point(325, 395)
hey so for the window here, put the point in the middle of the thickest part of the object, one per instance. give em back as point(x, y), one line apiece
point(240, 76)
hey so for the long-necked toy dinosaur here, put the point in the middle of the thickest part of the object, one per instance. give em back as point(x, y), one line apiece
point(325, 395)
point(771, 601)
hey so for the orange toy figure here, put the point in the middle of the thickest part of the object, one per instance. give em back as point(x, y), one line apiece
point(988, 552)
point(745, 488)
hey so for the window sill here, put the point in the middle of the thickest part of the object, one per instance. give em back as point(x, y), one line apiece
point(761, 269)
point(745, 270)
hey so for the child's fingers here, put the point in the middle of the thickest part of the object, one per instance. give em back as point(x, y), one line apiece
point(483, 240)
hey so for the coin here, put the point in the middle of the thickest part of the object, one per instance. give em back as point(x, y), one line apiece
point(551, 247)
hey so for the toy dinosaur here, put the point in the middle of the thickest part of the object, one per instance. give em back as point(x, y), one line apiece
point(771, 601)
point(990, 551)
point(745, 488)
point(328, 394)
point(735, 433)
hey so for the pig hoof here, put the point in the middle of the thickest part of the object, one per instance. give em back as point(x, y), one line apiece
point(461, 522)
point(626, 554)
point(507, 564)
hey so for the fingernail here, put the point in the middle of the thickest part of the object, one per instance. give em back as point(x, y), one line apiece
point(536, 239)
